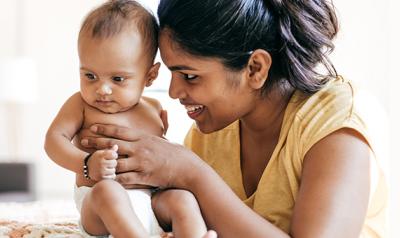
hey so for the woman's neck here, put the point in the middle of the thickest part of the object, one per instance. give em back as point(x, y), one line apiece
point(265, 120)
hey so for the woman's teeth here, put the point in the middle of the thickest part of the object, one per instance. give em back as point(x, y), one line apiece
point(193, 108)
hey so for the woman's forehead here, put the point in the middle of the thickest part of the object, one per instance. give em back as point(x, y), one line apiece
point(167, 42)
point(173, 54)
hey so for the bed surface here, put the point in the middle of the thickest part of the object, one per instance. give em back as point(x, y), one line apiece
point(47, 219)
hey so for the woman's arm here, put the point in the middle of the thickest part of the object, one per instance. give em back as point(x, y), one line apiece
point(334, 191)
point(336, 169)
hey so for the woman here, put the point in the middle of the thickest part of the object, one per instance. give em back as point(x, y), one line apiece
point(279, 147)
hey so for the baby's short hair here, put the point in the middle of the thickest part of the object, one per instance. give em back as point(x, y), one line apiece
point(114, 16)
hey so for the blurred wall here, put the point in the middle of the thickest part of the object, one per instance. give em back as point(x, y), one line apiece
point(49, 32)
point(46, 31)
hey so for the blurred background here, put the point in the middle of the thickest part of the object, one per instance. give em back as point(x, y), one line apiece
point(39, 70)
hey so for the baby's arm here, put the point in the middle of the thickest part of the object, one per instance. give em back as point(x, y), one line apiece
point(59, 148)
point(58, 143)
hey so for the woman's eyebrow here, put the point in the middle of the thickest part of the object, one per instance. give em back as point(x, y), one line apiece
point(180, 67)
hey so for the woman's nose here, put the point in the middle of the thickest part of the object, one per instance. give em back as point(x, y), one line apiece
point(176, 89)
point(104, 89)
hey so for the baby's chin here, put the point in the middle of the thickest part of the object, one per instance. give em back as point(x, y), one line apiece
point(108, 109)
point(112, 110)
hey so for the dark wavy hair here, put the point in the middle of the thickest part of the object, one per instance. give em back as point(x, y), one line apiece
point(114, 16)
point(297, 34)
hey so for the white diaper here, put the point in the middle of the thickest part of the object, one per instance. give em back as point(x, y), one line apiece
point(141, 203)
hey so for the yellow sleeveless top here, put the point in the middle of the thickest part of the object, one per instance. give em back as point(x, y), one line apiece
point(307, 120)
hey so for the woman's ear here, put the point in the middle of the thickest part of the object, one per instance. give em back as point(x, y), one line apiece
point(152, 74)
point(258, 68)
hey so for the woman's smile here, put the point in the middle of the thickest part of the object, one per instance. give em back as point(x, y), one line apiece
point(194, 111)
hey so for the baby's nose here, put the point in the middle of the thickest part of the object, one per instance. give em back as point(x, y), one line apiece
point(105, 89)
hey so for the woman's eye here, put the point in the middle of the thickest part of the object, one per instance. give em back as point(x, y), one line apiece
point(118, 79)
point(189, 76)
point(90, 76)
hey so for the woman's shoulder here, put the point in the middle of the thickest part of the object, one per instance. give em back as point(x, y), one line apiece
point(332, 106)
point(338, 105)
point(337, 97)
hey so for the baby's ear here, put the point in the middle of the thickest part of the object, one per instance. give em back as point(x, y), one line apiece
point(152, 74)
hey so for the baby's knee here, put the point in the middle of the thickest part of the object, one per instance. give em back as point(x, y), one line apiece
point(106, 191)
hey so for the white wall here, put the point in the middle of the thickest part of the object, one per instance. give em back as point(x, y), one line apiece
point(367, 52)
point(50, 35)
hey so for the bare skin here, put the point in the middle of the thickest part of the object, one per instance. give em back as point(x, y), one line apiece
point(113, 217)
point(215, 197)
point(180, 217)
point(113, 76)
point(334, 180)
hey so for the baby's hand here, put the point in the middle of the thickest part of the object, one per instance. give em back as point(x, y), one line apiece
point(102, 164)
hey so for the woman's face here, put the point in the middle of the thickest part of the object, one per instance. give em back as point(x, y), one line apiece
point(213, 96)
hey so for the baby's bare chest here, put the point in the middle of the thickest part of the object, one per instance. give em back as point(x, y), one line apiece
point(140, 117)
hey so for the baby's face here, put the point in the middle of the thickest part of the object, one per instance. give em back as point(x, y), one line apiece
point(113, 71)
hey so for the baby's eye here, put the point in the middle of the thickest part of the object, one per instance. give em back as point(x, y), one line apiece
point(118, 79)
point(189, 76)
point(90, 76)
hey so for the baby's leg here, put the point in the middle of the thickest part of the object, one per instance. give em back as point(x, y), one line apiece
point(179, 209)
point(108, 210)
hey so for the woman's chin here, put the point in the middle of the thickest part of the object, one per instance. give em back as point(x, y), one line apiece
point(204, 128)
point(207, 128)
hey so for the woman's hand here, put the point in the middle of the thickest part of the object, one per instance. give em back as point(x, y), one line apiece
point(147, 159)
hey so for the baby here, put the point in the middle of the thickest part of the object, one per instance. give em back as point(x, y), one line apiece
point(117, 45)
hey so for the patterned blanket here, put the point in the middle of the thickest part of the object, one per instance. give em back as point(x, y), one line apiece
point(42, 219)
point(15, 229)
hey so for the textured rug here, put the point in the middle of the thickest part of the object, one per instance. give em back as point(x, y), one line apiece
point(15, 229)
point(41, 219)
